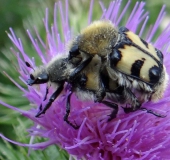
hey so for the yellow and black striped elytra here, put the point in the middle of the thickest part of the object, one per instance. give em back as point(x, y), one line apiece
point(139, 64)
point(127, 58)
point(136, 58)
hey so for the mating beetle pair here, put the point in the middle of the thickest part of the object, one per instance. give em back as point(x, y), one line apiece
point(103, 61)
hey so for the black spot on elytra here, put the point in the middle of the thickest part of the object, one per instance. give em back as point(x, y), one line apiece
point(136, 67)
point(120, 45)
point(124, 42)
point(115, 57)
point(154, 74)
point(123, 29)
point(144, 42)
point(127, 40)
point(159, 54)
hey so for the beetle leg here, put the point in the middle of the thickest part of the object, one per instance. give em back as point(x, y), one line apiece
point(101, 93)
point(152, 112)
point(51, 100)
point(137, 106)
point(111, 105)
point(75, 126)
point(79, 68)
point(135, 103)
point(46, 92)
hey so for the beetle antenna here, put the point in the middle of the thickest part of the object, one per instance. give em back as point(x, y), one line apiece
point(29, 65)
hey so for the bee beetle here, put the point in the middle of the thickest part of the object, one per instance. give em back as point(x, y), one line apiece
point(127, 58)
point(54, 73)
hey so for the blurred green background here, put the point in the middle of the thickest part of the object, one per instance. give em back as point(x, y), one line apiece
point(22, 15)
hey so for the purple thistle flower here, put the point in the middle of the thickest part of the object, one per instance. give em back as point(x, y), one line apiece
point(136, 135)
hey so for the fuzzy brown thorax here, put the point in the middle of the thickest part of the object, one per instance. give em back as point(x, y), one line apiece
point(98, 38)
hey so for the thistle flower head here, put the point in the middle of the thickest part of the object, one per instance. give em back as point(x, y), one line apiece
point(137, 135)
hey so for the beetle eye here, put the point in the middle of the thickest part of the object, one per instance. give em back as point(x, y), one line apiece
point(32, 77)
point(43, 78)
